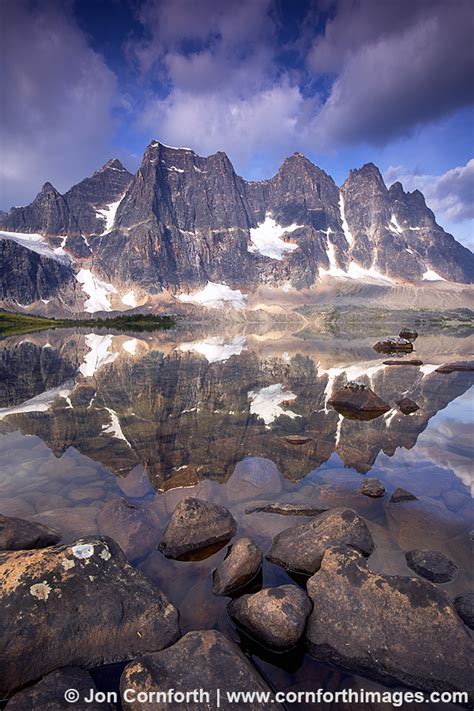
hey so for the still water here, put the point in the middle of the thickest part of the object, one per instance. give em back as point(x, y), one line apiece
point(106, 432)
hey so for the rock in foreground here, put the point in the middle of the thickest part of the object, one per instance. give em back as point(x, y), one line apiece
point(241, 564)
point(393, 345)
point(358, 401)
point(80, 605)
point(464, 605)
point(200, 660)
point(372, 487)
point(276, 617)
point(394, 629)
point(17, 534)
point(408, 334)
point(432, 565)
point(48, 694)
point(300, 549)
point(196, 524)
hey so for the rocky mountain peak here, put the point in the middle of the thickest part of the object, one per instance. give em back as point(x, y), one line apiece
point(112, 164)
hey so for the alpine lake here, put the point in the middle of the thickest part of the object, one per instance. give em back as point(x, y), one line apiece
point(104, 432)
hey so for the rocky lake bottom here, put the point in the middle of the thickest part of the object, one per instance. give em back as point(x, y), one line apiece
point(175, 445)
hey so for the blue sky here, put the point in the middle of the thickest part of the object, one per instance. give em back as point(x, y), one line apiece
point(343, 81)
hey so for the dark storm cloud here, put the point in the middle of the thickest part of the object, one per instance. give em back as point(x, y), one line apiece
point(398, 64)
point(58, 95)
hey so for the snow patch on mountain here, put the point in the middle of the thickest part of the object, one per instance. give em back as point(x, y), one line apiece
point(215, 296)
point(345, 226)
point(215, 349)
point(431, 275)
point(129, 299)
point(266, 238)
point(39, 403)
point(97, 290)
point(114, 428)
point(265, 403)
point(37, 244)
point(108, 214)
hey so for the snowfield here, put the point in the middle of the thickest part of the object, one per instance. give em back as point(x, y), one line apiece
point(98, 291)
point(98, 355)
point(215, 296)
point(266, 239)
point(430, 275)
point(36, 243)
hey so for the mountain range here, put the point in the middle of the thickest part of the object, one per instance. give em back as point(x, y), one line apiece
point(189, 228)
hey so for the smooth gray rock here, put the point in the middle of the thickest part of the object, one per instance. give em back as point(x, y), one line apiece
point(300, 549)
point(276, 617)
point(196, 524)
point(432, 565)
point(397, 630)
point(241, 564)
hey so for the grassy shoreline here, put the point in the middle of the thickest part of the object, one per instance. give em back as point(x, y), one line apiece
point(16, 324)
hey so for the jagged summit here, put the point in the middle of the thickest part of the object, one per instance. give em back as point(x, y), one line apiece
point(184, 221)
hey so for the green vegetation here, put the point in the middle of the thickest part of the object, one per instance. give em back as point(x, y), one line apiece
point(12, 324)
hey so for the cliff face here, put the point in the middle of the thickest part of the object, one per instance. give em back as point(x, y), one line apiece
point(184, 220)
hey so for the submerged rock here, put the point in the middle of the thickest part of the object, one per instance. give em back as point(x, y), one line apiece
point(400, 495)
point(284, 509)
point(459, 366)
point(135, 529)
point(358, 402)
point(403, 361)
point(300, 549)
point(407, 406)
point(196, 524)
point(80, 605)
point(394, 629)
point(200, 660)
point(276, 617)
point(253, 477)
point(48, 694)
point(17, 534)
point(372, 487)
point(392, 345)
point(464, 605)
point(433, 565)
point(241, 564)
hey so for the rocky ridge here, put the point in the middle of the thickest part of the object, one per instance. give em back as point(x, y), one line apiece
point(191, 227)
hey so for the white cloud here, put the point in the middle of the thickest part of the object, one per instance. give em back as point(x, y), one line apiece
point(57, 111)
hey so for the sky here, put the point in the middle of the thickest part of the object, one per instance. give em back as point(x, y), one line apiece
point(343, 81)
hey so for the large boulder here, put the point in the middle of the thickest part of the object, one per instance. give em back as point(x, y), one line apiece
point(49, 693)
point(394, 629)
point(357, 401)
point(276, 617)
point(241, 564)
point(432, 565)
point(394, 345)
point(17, 534)
point(80, 605)
point(196, 524)
point(301, 549)
point(204, 661)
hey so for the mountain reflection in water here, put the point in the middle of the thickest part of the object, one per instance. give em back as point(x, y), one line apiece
point(124, 427)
